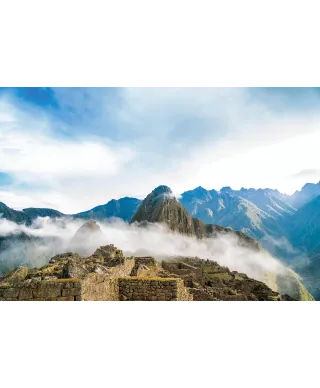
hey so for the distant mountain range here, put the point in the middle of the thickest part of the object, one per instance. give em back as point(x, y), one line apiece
point(263, 214)
point(308, 192)
point(287, 226)
point(26, 216)
point(123, 208)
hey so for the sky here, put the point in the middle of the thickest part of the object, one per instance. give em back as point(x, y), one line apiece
point(75, 148)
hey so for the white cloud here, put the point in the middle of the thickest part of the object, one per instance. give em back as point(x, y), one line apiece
point(20, 200)
point(239, 140)
point(242, 165)
point(182, 138)
point(30, 153)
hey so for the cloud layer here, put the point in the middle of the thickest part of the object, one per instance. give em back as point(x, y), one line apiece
point(50, 237)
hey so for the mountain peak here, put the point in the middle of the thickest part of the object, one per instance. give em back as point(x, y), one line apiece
point(307, 193)
point(160, 190)
point(226, 189)
point(200, 191)
point(200, 188)
point(90, 226)
point(87, 238)
point(161, 206)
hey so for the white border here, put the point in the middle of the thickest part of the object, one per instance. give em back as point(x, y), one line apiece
point(159, 43)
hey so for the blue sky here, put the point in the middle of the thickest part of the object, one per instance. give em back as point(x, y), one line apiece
point(74, 148)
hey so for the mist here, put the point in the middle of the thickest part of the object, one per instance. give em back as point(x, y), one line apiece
point(34, 245)
point(157, 240)
point(282, 248)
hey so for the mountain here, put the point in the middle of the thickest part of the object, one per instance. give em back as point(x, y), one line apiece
point(161, 206)
point(233, 209)
point(302, 232)
point(303, 228)
point(26, 216)
point(32, 213)
point(87, 238)
point(308, 192)
point(16, 216)
point(310, 273)
point(270, 201)
point(264, 203)
point(123, 208)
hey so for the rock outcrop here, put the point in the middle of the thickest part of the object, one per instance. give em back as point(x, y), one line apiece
point(16, 276)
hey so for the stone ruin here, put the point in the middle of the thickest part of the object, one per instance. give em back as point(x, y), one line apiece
point(108, 275)
point(105, 276)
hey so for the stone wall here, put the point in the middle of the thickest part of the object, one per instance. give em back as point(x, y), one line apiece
point(96, 287)
point(148, 260)
point(182, 293)
point(152, 289)
point(145, 267)
point(119, 278)
point(121, 267)
point(99, 288)
point(61, 289)
point(187, 272)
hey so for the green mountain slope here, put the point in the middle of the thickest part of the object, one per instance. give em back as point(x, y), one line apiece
point(32, 213)
point(26, 216)
point(16, 216)
point(303, 228)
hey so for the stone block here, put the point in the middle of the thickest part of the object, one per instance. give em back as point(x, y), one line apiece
point(47, 290)
point(70, 292)
point(25, 293)
point(10, 293)
point(68, 285)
